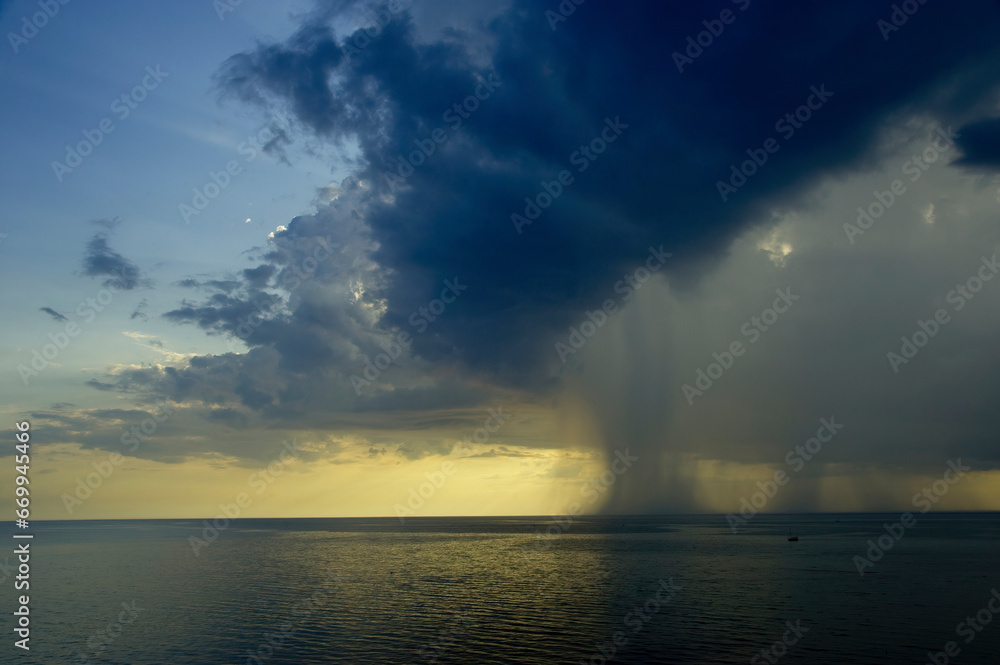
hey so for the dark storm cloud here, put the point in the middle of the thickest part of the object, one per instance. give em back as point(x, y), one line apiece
point(656, 185)
point(299, 73)
point(258, 277)
point(294, 317)
point(244, 406)
point(255, 385)
point(980, 144)
point(53, 313)
point(221, 313)
point(100, 260)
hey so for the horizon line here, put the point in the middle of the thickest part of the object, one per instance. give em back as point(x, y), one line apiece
point(541, 517)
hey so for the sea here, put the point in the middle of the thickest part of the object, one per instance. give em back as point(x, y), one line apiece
point(854, 588)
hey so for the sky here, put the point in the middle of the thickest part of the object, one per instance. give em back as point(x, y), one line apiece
point(336, 258)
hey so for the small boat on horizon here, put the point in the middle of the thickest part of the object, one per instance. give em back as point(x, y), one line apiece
point(791, 538)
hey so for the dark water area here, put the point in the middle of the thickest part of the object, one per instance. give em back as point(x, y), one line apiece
point(666, 589)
